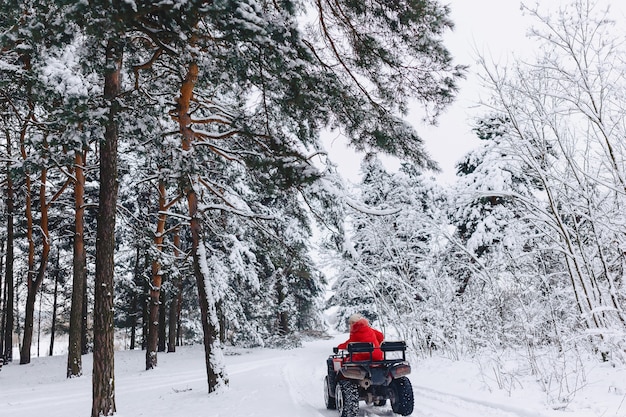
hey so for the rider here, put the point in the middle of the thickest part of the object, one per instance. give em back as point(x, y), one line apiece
point(360, 331)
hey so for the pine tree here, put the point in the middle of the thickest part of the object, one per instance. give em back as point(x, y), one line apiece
point(386, 270)
point(483, 201)
point(229, 84)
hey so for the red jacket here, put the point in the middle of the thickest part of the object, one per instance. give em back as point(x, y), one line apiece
point(362, 332)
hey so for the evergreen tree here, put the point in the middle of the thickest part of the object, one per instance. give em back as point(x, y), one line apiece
point(483, 206)
point(388, 260)
point(228, 89)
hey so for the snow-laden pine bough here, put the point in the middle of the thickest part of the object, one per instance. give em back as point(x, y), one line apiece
point(350, 381)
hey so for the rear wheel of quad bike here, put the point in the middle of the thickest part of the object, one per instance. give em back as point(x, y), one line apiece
point(347, 398)
point(330, 401)
point(401, 396)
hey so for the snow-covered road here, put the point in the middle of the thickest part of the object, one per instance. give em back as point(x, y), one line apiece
point(263, 383)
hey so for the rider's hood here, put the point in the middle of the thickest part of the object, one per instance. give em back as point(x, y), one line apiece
point(358, 325)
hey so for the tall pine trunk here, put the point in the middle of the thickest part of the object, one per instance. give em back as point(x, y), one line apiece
point(133, 301)
point(35, 280)
point(54, 305)
point(79, 271)
point(210, 324)
point(7, 353)
point(145, 310)
point(176, 301)
point(84, 339)
point(103, 381)
point(162, 322)
point(155, 287)
point(30, 275)
point(2, 309)
point(172, 327)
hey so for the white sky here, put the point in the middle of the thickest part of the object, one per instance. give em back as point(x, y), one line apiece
point(481, 26)
point(495, 29)
point(490, 28)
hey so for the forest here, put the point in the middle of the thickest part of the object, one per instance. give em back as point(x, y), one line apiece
point(165, 182)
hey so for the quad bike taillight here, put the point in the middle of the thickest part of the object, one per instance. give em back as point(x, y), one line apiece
point(353, 372)
point(400, 370)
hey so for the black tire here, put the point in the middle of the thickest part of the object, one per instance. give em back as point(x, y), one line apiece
point(402, 396)
point(331, 404)
point(347, 398)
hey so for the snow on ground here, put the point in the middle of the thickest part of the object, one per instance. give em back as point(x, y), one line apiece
point(285, 383)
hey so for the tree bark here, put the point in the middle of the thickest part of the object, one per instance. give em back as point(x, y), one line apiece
point(34, 282)
point(79, 271)
point(210, 327)
point(211, 331)
point(162, 322)
point(7, 353)
point(54, 306)
point(103, 383)
point(176, 301)
point(2, 306)
point(155, 287)
point(133, 302)
point(145, 309)
point(84, 325)
point(173, 322)
point(30, 298)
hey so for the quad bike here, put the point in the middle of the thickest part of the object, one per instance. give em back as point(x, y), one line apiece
point(350, 381)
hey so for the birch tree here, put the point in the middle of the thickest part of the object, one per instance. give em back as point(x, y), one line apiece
point(565, 125)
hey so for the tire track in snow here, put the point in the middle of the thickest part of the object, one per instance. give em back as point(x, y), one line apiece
point(304, 378)
point(282, 383)
point(433, 403)
point(304, 375)
point(305, 370)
